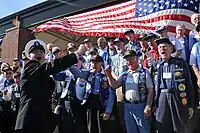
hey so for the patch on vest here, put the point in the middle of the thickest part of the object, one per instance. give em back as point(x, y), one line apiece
point(183, 94)
point(184, 101)
point(181, 87)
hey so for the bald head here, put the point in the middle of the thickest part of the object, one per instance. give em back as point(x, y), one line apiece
point(102, 43)
point(195, 19)
point(49, 47)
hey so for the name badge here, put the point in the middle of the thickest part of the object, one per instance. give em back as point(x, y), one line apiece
point(167, 75)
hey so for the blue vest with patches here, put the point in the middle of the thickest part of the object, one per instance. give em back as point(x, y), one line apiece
point(178, 81)
point(103, 92)
point(141, 85)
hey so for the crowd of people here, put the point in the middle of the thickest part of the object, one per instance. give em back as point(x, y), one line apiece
point(148, 85)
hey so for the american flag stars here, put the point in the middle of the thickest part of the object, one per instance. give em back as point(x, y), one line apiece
point(147, 7)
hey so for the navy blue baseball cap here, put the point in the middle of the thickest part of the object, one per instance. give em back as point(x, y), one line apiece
point(97, 58)
point(129, 31)
point(130, 53)
point(150, 36)
point(86, 40)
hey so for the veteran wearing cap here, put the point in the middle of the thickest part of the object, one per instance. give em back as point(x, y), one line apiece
point(6, 119)
point(111, 48)
point(151, 57)
point(16, 65)
point(163, 31)
point(137, 87)
point(49, 54)
point(132, 44)
point(174, 91)
point(35, 114)
point(119, 66)
point(71, 48)
point(67, 95)
point(56, 51)
point(98, 98)
point(143, 43)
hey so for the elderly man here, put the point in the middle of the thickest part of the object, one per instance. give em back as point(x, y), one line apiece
point(132, 44)
point(111, 48)
point(180, 35)
point(98, 98)
point(143, 43)
point(6, 122)
point(102, 45)
point(16, 65)
point(152, 55)
point(49, 54)
point(71, 47)
point(137, 87)
point(194, 35)
point(103, 49)
point(56, 51)
point(163, 31)
point(174, 91)
point(119, 66)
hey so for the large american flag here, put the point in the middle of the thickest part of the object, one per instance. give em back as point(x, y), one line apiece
point(140, 15)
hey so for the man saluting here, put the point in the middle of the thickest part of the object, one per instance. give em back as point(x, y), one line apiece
point(34, 114)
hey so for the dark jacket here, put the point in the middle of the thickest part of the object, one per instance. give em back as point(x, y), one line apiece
point(36, 87)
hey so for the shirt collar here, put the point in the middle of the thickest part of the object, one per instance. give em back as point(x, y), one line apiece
point(171, 59)
point(136, 70)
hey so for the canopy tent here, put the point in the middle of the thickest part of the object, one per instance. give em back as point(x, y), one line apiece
point(140, 15)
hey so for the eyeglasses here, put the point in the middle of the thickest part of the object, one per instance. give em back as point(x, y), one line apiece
point(9, 73)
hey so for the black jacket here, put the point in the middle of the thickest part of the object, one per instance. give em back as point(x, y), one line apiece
point(36, 87)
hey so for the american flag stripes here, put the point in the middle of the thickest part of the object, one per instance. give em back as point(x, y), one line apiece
point(140, 15)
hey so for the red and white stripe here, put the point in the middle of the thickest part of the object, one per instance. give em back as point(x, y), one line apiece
point(114, 20)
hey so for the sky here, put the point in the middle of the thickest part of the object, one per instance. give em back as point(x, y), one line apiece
point(8, 7)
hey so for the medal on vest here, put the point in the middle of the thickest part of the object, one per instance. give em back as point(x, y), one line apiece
point(184, 101)
point(178, 75)
point(183, 94)
point(181, 87)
